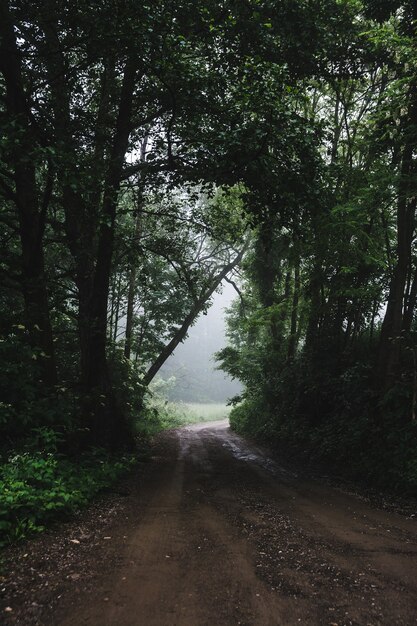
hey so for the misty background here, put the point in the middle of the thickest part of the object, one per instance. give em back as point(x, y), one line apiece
point(192, 364)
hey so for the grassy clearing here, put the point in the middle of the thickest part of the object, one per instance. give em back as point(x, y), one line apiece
point(206, 412)
point(161, 415)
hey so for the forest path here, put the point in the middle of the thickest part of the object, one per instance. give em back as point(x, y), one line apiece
point(219, 534)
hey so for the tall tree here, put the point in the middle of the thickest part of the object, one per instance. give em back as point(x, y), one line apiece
point(27, 182)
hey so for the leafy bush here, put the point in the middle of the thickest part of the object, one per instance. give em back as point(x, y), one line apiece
point(37, 487)
point(158, 413)
point(128, 388)
point(336, 418)
point(25, 405)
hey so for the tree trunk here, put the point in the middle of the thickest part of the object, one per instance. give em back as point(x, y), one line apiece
point(292, 343)
point(107, 424)
point(181, 333)
point(313, 324)
point(132, 281)
point(390, 340)
point(35, 294)
point(133, 267)
point(98, 375)
point(171, 345)
point(129, 312)
point(83, 208)
point(31, 211)
point(118, 297)
point(410, 307)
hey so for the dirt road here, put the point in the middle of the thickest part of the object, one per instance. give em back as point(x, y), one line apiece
point(216, 535)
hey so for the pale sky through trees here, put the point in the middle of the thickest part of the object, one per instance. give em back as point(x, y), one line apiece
point(192, 363)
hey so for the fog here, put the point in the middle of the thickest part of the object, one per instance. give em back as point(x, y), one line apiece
point(192, 363)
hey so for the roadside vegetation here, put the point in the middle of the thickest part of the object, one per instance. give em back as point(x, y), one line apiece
point(207, 412)
point(161, 414)
point(38, 485)
point(324, 334)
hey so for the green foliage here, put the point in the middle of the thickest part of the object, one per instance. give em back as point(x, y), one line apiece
point(251, 418)
point(335, 420)
point(153, 142)
point(146, 409)
point(160, 414)
point(24, 407)
point(324, 334)
point(186, 235)
point(38, 487)
point(205, 412)
point(128, 387)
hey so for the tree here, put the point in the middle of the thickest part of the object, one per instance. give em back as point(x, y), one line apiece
point(26, 181)
point(325, 344)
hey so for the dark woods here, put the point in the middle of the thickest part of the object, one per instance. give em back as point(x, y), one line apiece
point(148, 151)
point(112, 243)
point(324, 337)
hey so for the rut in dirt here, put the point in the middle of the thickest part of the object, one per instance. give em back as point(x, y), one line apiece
point(219, 533)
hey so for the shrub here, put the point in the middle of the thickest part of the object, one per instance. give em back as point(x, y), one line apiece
point(38, 487)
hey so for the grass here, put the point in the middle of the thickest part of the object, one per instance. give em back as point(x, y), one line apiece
point(161, 415)
point(205, 412)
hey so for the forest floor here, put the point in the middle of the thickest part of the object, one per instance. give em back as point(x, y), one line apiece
point(212, 532)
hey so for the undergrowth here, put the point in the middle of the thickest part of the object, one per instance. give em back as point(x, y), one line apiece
point(354, 442)
point(40, 486)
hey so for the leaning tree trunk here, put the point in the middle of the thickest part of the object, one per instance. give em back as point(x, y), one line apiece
point(198, 306)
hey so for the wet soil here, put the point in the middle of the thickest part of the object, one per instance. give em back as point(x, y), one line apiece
point(213, 531)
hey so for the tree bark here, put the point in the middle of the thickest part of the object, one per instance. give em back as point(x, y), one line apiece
point(390, 339)
point(98, 375)
point(118, 297)
point(107, 423)
point(129, 312)
point(292, 343)
point(90, 213)
point(133, 268)
point(26, 196)
point(410, 306)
